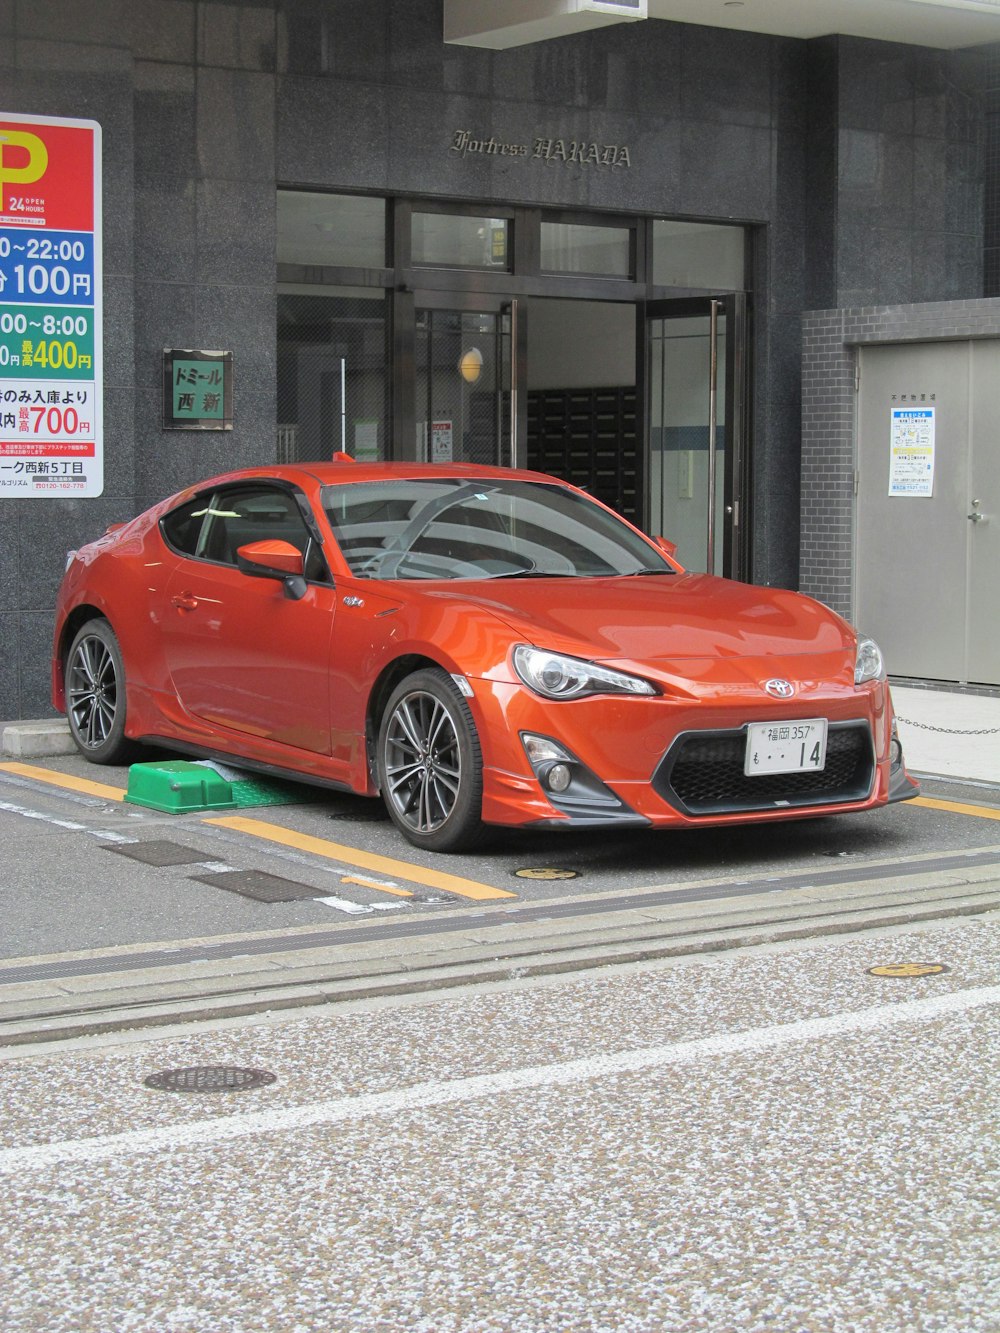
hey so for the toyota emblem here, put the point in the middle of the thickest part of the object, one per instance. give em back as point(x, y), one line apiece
point(780, 689)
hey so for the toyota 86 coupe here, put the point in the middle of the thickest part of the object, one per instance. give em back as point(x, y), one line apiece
point(479, 646)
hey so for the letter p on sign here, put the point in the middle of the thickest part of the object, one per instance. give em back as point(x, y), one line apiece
point(14, 169)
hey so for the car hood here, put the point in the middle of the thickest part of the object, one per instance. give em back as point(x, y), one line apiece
point(666, 621)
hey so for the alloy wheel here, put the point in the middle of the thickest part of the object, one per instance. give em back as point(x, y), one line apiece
point(423, 761)
point(92, 689)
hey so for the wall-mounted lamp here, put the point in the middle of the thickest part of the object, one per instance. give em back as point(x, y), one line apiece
point(471, 365)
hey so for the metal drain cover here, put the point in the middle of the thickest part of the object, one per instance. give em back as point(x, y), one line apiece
point(209, 1078)
point(906, 970)
point(258, 884)
point(157, 852)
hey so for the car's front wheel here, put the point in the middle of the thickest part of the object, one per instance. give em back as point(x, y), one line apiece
point(430, 764)
point(95, 694)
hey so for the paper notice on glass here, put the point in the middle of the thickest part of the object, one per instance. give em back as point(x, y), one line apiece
point(911, 452)
point(442, 440)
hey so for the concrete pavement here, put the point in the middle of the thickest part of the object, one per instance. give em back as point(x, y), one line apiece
point(948, 733)
point(772, 1139)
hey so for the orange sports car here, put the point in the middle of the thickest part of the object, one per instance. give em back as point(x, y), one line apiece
point(480, 646)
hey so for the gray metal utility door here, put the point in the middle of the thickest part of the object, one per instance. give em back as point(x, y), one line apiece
point(927, 568)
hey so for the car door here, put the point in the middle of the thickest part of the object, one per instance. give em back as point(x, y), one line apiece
point(243, 655)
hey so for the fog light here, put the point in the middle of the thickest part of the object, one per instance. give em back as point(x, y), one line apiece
point(558, 777)
point(895, 752)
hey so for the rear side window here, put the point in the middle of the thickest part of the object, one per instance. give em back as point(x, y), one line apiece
point(182, 528)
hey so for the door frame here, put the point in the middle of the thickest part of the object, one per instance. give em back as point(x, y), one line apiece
point(733, 393)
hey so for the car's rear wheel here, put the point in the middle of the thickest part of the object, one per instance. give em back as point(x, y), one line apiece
point(95, 695)
point(430, 764)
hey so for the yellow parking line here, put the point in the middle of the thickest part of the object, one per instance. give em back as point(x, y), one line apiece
point(980, 811)
point(375, 884)
point(65, 780)
point(383, 865)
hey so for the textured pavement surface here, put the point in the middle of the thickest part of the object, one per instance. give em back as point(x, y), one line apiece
point(772, 1139)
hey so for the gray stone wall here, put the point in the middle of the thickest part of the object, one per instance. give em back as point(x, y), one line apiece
point(207, 105)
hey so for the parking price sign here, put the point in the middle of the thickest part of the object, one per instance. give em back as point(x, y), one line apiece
point(51, 377)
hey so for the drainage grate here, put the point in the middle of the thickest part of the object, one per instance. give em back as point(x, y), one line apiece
point(261, 886)
point(209, 1078)
point(159, 853)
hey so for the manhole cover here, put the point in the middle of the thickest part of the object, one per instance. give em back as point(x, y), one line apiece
point(158, 852)
point(209, 1078)
point(547, 872)
point(908, 970)
point(258, 884)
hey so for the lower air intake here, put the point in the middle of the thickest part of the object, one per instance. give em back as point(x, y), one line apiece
point(702, 774)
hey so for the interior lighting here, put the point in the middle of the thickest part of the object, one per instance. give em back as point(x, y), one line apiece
point(471, 365)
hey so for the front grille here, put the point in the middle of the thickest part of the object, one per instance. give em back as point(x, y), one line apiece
point(702, 773)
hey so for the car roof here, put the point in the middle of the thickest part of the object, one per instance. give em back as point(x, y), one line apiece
point(347, 472)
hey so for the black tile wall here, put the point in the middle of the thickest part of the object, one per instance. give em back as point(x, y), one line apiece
point(871, 171)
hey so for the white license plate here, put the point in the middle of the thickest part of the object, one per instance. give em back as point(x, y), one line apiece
point(786, 747)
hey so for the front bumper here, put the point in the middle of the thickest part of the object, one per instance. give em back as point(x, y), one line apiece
point(668, 763)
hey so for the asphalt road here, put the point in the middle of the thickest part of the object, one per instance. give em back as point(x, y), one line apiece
point(119, 915)
point(71, 879)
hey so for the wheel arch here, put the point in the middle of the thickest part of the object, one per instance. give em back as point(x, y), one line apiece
point(386, 682)
point(74, 622)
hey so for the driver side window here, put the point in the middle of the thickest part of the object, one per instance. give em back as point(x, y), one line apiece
point(214, 526)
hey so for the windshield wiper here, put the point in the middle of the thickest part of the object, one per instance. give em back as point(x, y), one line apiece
point(637, 573)
point(532, 574)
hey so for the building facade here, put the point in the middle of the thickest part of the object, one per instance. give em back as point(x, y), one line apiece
point(546, 256)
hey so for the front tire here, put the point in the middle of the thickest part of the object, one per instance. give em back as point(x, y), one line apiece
point(95, 695)
point(430, 764)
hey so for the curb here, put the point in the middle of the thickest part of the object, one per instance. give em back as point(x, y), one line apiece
point(36, 740)
point(183, 996)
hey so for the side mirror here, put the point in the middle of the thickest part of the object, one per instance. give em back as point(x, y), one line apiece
point(274, 559)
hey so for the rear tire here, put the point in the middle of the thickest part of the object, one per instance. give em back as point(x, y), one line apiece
point(430, 764)
point(95, 695)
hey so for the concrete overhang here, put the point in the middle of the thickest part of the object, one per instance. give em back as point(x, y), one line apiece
point(499, 24)
point(946, 24)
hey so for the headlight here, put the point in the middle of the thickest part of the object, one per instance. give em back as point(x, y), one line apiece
point(868, 665)
point(558, 677)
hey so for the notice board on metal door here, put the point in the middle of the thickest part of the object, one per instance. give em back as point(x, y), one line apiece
point(51, 378)
point(911, 452)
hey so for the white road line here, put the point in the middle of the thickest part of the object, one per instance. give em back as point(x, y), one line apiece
point(202, 1133)
point(13, 809)
point(343, 905)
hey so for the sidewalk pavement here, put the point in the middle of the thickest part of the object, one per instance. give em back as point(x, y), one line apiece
point(944, 733)
point(948, 734)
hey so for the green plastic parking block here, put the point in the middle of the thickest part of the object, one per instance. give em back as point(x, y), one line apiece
point(177, 787)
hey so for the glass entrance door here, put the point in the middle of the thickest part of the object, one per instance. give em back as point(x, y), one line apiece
point(696, 374)
point(464, 387)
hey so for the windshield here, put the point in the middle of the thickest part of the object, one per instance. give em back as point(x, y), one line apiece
point(462, 528)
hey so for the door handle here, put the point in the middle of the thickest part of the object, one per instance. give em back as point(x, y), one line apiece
point(976, 517)
point(184, 601)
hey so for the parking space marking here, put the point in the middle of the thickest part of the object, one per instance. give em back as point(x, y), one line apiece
point(66, 780)
point(956, 807)
point(377, 884)
point(354, 856)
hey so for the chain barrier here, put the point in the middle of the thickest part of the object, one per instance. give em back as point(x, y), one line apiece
point(949, 731)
